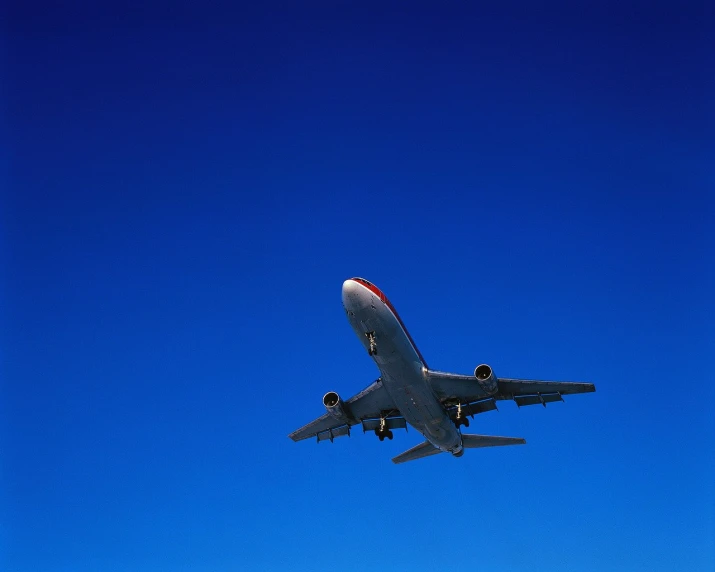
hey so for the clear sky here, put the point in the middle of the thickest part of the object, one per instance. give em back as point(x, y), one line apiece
point(186, 186)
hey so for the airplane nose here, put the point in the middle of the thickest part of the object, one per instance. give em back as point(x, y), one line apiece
point(354, 296)
point(349, 293)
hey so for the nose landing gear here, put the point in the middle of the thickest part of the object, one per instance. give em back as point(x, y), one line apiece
point(373, 344)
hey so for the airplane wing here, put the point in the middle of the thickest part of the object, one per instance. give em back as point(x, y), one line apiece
point(531, 392)
point(452, 388)
point(372, 402)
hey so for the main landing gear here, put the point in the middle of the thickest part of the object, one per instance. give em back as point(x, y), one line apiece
point(460, 419)
point(382, 431)
point(373, 345)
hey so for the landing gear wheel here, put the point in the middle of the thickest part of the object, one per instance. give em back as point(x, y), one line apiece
point(384, 433)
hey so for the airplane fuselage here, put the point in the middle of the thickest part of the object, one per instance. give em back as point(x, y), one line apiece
point(402, 368)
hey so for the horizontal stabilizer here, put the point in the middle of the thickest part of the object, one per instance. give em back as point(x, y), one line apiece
point(478, 441)
point(422, 450)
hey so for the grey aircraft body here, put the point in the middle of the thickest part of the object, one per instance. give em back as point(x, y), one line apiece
point(435, 403)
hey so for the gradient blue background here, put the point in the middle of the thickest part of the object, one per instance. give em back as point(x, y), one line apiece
point(186, 188)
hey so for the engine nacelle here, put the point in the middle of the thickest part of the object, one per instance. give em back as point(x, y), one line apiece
point(486, 379)
point(334, 405)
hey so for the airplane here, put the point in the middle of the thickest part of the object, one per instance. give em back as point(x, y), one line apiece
point(435, 403)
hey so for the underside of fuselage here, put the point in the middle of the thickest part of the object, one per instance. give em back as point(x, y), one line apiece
point(401, 365)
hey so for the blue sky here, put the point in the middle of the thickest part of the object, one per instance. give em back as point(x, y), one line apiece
point(186, 188)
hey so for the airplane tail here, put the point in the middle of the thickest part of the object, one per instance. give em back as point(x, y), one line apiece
point(426, 449)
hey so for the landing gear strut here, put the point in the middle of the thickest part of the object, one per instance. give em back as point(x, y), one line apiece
point(383, 430)
point(460, 419)
point(373, 344)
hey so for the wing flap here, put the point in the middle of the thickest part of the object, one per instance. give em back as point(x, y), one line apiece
point(540, 398)
point(331, 434)
point(323, 423)
point(479, 407)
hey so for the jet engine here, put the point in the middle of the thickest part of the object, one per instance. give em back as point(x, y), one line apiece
point(486, 379)
point(334, 405)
